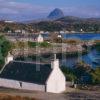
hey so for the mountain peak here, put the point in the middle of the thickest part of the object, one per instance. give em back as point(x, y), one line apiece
point(56, 13)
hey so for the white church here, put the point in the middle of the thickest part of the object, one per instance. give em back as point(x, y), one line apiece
point(30, 76)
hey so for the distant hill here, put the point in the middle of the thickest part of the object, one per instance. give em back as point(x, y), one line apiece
point(73, 19)
point(55, 14)
point(69, 23)
point(56, 21)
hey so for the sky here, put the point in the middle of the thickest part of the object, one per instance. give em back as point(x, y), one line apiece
point(35, 9)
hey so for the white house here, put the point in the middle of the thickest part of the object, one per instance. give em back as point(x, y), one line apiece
point(8, 21)
point(18, 31)
point(62, 32)
point(41, 32)
point(59, 36)
point(24, 75)
point(40, 39)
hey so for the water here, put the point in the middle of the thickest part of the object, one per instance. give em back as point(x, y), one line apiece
point(83, 36)
point(89, 58)
point(80, 36)
point(67, 61)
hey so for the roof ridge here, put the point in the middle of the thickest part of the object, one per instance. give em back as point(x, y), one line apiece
point(29, 62)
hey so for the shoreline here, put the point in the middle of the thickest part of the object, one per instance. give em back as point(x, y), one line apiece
point(82, 33)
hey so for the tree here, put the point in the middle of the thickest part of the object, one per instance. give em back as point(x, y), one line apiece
point(6, 29)
point(96, 75)
point(69, 73)
point(5, 47)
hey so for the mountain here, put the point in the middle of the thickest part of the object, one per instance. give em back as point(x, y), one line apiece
point(69, 23)
point(55, 14)
point(56, 21)
point(74, 20)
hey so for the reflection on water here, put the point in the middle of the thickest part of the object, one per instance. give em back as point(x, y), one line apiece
point(89, 58)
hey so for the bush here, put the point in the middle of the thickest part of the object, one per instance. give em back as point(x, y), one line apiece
point(95, 75)
point(97, 46)
point(34, 44)
point(45, 44)
point(5, 47)
point(69, 73)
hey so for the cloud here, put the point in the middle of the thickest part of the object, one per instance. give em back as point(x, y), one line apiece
point(85, 11)
point(11, 9)
point(19, 10)
point(14, 6)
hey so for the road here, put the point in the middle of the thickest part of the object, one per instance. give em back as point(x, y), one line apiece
point(76, 95)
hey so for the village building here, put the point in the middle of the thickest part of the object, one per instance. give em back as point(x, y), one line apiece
point(23, 32)
point(66, 31)
point(40, 39)
point(18, 31)
point(62, 32)
point(35, 38)
point(41, 32)
point(32, 76)
point(47, 32)
point(59, 36)
point(8, 21)
point(81, 30)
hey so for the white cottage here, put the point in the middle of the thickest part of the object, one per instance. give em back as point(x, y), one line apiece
point(24, 75)
point(40, 39)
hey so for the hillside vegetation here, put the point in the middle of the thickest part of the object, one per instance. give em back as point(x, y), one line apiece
point(68, 23)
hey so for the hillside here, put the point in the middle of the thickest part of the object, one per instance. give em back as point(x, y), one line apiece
point(69, 23)
point(72, 19)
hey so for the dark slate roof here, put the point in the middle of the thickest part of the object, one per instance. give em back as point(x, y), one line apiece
point(26, 72)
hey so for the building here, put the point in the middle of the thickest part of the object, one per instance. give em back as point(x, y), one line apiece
point(41, 32)
point(18, 31)
point(32, 76)
point(40, 38)
point(59, 36)
point(62, 32)
point(23, 38)
point(8, 21)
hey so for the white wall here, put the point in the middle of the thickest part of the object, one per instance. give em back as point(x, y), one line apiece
point(56, 82)
point(16, 85)
point(40, 38)
point(8, 59)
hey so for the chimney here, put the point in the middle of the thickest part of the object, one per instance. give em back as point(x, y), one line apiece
point(9, 58)
point(55, 63)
